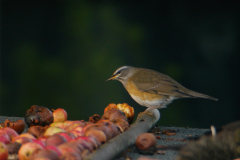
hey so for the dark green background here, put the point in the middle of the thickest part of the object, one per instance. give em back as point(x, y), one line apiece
point(59, 54)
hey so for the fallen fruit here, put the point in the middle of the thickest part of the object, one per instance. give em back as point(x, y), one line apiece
point(18, 125)
point(145, 141)
point(27, 149)
point(59, 115)
point(38, 115)
point(3, 151)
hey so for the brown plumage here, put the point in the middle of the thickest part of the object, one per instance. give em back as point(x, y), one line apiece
point(152, 89)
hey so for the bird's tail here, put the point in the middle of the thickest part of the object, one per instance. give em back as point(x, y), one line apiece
point(200, 95)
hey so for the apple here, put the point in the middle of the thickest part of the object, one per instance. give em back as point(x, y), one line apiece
point(42, 158)
point(98, 134)
point(94, 142)
point(71, 147)
point(4, 138)
point(22, 140)
point(67, 136)
point(27, 149)
point(72, 156)
point(76, 133)
point(44, 153)
point(74, 125)
point(55, 148)
point(3, 151)
point(59, 115)
point(52, 130)
point(10, 132)
point(13, 148)
point(28, 135)
point(38, 141)
point(62, 125)
point(85, 144)
point(55, 140)
point(78, 128)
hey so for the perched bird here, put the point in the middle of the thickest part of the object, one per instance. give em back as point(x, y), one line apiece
point(152, 89)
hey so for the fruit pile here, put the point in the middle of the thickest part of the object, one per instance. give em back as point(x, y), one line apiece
point(52, 136)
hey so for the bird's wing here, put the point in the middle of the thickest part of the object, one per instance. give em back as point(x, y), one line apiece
point(154, 82)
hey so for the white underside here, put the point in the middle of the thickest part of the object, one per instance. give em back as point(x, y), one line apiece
point(154, 103)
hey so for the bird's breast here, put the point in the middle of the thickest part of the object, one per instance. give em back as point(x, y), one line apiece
point(144, 98)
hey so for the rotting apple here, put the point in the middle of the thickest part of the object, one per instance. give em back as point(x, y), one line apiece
point(17, 126)
point(37, 131)
point(145, 141)
point(121, 123)
point(13, 148)
point(113, 114)
point(38, 115)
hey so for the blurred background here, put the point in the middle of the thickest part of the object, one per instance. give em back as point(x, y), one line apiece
point(58, 54)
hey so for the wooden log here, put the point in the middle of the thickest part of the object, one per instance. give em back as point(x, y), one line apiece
point(115, 146)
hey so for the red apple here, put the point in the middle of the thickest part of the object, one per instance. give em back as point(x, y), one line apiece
point(4, 138)
point(55, 140)
point(3, 151)
point(38, 141)
point(22, 140)
point(44, 153)
point(67, 136)
point(27, 149)
point(52, 130)
point(55, 148)
point(59, 115)
point(43, 139)
point(10, 132)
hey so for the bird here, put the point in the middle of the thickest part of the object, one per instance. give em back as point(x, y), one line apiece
point(152, 89)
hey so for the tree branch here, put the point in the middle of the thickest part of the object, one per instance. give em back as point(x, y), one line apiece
point(118, 144)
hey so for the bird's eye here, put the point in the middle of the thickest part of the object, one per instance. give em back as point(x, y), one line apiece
point(118, 73)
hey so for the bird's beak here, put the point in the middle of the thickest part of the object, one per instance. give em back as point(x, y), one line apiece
point(111, 78)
